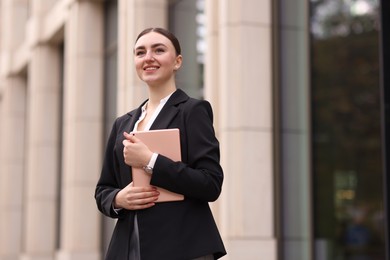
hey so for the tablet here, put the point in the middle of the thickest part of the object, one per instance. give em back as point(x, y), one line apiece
point(165, 142)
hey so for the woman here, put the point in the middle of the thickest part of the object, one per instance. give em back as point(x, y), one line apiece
point(146, 229)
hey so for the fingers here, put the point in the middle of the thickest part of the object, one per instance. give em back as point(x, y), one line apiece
point(140, 197)
point(143, 203)
point(126, 145)
point(130, 137)
point(127, 135)
point(135, 152)
point(127, 139)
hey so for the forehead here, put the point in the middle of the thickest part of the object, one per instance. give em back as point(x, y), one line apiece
point(152, 38)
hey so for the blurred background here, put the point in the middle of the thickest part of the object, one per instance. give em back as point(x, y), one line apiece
point(298, 89)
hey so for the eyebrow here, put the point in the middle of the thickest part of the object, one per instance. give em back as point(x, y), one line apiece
point(142, 47)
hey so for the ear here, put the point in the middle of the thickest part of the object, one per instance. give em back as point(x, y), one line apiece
point(178, 61)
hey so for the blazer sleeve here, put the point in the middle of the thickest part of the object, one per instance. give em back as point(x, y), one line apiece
point(108, 184)
point(200, 176)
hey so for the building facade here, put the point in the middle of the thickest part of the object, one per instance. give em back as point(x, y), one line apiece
point(295, 87)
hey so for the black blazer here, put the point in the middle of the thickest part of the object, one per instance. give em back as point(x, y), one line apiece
point(181, 230)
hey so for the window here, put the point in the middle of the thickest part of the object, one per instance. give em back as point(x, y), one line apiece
point(187, 22)
point(346, 129)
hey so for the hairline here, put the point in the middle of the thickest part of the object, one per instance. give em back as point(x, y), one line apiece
point(164, 32)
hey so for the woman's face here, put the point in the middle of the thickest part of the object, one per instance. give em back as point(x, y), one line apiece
point(155, 59)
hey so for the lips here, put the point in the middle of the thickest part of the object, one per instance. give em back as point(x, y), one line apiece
point(151, 68)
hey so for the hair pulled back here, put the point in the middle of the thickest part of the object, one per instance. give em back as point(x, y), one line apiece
point(165, 33)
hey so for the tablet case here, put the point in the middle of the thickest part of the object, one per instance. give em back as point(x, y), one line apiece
point(165, 142)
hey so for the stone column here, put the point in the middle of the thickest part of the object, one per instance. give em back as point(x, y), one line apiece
point(83, 131)
point(245, 79)
point(212, 87)
point(13, 16)
point(12, 157)
point(211, 67)
point(134, 16)
point(43, 141)
point(12, 130)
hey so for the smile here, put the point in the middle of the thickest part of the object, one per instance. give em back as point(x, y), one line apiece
point(150, 68)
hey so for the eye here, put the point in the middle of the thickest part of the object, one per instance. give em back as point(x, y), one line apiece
point(160, 50)
point(140, 53)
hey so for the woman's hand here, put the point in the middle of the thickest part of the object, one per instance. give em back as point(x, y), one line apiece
point(135, 152)
point(135, 198)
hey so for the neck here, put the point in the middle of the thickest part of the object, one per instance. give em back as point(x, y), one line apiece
point(156, 93)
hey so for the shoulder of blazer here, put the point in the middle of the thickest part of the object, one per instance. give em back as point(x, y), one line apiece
point(185, 103)
point(178, 97)
point(129, 116)
point(124, 119)
point(123, 122)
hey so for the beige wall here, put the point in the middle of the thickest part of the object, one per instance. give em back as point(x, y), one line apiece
point(46, 123)
point(245, 127)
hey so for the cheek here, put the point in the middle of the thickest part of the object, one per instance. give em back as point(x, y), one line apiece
point(169, 62)
point(137, 64)
point(138, 67)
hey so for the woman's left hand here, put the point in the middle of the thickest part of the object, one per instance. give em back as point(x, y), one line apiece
point(135, 152)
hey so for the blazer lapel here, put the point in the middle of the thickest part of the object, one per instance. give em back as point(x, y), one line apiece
point(134, 117)
point(170, 110)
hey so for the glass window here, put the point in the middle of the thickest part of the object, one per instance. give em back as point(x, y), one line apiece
point(187, 22)
point(346, 129)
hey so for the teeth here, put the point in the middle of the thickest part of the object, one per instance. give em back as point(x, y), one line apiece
point(151, 68)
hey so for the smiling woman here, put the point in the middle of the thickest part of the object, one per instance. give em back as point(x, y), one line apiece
point(146, 229)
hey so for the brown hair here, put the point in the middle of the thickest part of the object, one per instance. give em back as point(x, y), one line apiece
point(165, 33)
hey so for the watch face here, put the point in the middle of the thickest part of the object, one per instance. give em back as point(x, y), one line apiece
point(148, 169)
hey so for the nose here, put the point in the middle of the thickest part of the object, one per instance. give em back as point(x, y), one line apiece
point(149, 56)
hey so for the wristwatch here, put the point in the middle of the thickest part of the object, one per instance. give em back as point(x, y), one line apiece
point(148, 169)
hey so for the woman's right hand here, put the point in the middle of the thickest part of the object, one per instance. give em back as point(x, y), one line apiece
point(135, 198)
